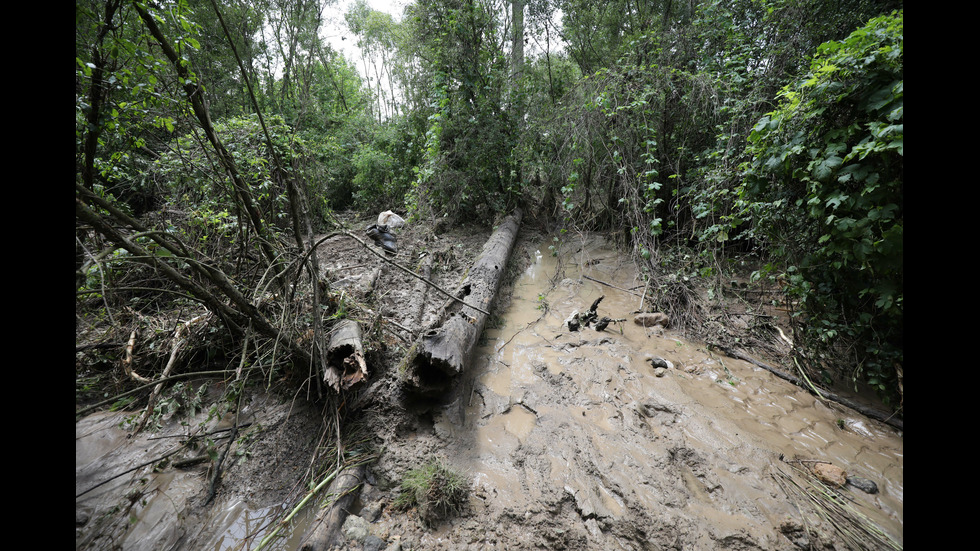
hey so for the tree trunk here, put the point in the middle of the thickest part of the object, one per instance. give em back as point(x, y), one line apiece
point(445, 351)
point(327, 534)
point(517, 40)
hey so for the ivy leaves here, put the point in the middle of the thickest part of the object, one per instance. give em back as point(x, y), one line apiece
point(827, 165)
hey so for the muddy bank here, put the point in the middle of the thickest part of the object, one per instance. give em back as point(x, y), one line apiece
point(571, 440)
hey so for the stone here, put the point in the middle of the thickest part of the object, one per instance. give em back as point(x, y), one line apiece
point(355, 528)
point(829, 474)
point(373, 543)
point(863, 484)
point(649, 319)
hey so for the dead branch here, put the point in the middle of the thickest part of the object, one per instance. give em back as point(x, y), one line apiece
point(888, 419)
point(234, 309)
point(127, 361)
point(611, 285)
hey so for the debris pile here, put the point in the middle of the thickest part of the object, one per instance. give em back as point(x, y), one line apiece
point(578, 320)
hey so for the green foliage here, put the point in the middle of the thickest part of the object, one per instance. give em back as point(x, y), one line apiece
point(122, 107)
point(649, 143)
point(381, 162)
point(435, 489)
point(188, 177)
point(826, 184)
point(469, 133)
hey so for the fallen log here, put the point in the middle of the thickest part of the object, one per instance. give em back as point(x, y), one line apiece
point(330, 520)
point(420, 291)
point(445, 351)
point(345, 356)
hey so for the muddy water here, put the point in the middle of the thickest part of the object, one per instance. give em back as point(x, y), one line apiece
point(555, 420)
point(161, 509)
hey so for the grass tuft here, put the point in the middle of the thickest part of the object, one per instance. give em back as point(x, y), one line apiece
point(435, 489)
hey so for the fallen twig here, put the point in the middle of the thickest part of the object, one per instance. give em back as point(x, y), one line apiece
point(611, 285)
point(178, 376)
point(140, 466)
point(872, 413)
point(127, 361)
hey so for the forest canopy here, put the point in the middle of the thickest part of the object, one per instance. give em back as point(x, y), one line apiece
point(214, 139)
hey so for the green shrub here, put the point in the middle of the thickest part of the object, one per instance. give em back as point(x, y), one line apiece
point(826, 185)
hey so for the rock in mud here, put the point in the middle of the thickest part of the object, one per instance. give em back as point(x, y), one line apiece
point(373, 543)
point(658, 362)
point(649, 319)
point(355, 528)
point(829, 474)
point(863, 484)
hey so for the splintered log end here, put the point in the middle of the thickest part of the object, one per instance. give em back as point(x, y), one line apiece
point(345, 356)
point(437, 360)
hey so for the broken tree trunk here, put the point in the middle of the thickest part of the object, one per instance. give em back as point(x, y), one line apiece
point(330, 520)
point(444, 351)
point(345, 356)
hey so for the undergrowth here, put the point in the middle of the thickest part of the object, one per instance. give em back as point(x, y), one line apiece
point(435, 489)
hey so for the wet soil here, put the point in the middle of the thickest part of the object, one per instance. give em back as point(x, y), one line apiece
point(571, 440)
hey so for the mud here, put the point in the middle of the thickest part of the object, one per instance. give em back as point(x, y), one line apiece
point(572, 440)
point(575, 441)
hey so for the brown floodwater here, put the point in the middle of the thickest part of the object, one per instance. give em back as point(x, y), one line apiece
point(551, 412)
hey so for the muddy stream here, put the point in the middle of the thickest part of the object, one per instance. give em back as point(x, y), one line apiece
point(572, 440)
point(683, 456)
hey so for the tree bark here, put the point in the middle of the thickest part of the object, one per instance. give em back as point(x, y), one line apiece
point(446, 350)
point(327, 533)
point(517, 40)
point(345, 356)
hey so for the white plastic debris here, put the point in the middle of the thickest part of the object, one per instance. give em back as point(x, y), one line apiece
point(390, 219)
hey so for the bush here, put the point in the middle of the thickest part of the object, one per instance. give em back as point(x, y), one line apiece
point(826, 185)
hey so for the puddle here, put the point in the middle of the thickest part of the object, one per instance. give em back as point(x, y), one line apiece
point(555, 415)
point(161, 508)
point(242, 526)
